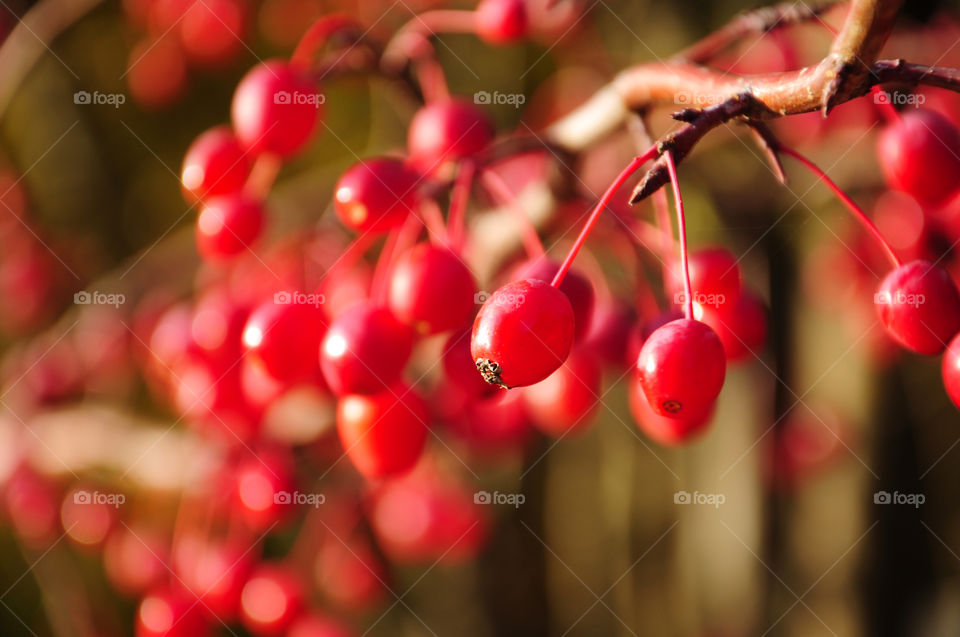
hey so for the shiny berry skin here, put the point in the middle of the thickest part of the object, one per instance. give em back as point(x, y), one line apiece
point(282, 339)
point(432, 290)
point(227, 226)
point(460, 371)
point(447, 130)
point(271, 600)
point(919, 306)
point(522, 334)
point(611, 331)
point(383, 434)
point(566, 401)
point(212, 32)
point(214, 165)
point(501, 21)
point(951, 370)
point(376, 195)
point(920, 154)
point(681, 368)
point(274, 110)
point(365, 350)
point(741, 326)
point(714, 278)
point(576, 286)
point(664, 430)
point(171, 613)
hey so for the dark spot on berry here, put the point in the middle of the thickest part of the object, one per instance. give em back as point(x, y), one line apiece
point(672, 406)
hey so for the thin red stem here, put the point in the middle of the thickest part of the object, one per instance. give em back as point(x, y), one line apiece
point(497, 187)
point(887, 110)
point(662, 210)
point(433, 220)
point(398, 241)
point(316, 37)
point(847, 201)
point(262, 175)
point(682, 231)
point(351, 254)
point(459, 198)
point(621, 179)
point(433, 82)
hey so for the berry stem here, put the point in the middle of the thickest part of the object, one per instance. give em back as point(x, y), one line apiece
point(433, 220)
point(682, 231)
point(349, 257)
point(459, 197)
point(621, 179)
point(262, 175)
point(317, 36)
point(397, 241)
point(662, 211)
point(847, 201)
point(887, 110)
point(433, 82)
point(497, 187)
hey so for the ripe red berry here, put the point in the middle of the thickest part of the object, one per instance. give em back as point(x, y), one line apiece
point(227, 226)
point(951, 370)
point(214, 165)
point(611, 331)
point(275, 109)
point(664, 430)
point(501, 21)
point(271, 600)
point(282, 339)
point(383, 434)
point(576, 286)
point(376, 195)
point(432, 290)
point(447, 130)
point(171, 613)
point(215, 572)
point(460, 371)
point(567, 399)
point(522, 334)
point(134, 558)
point(682, 367)
point(365, 350)
point(86, 522)
point(920, 154)
point(714, 278)
point(741, 326)
point(256, 483)
point(212, 32)
point(919, 306)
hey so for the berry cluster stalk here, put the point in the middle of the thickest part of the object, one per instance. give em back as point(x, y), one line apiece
point(682, 231)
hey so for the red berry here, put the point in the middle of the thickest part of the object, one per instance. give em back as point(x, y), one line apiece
point(501, 21)
point(215, 572)
point(156, 73)
point(275, 109)
point(664, 430)
point(282, 339)
point(365, 350)
point(611, 331)
point(271, 600)
point(951, 370)
point(576, 286)
point(350, 575)
point(714, 278)
point(376, 195)
point(919, 306)
point(492, 425)
point(432, 290)
point(682, 367)
point(212, 32)
point(171, 613)
point(256, 483)
point(214, 165)
point(566, 401)
point(742, 326)
point(85, 520)
point(227, 226)
point(134, 559)
point(383, 434)
point(920, 154)
point(459, 370)
point(522, 334)
point(447, 130)
point(317, 625)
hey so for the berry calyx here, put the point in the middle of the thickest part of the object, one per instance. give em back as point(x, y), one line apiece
point(275, 109)
point(383, 434)
point(431, 290)
point(522, 334)
point(919, 306)
point(447, 130)
point(227, 226)
point(920, 154)
point(662, 429)
point(365, 350)
point(214, 165)
point(681, 368)
point(501, 21)
point(376, 195)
